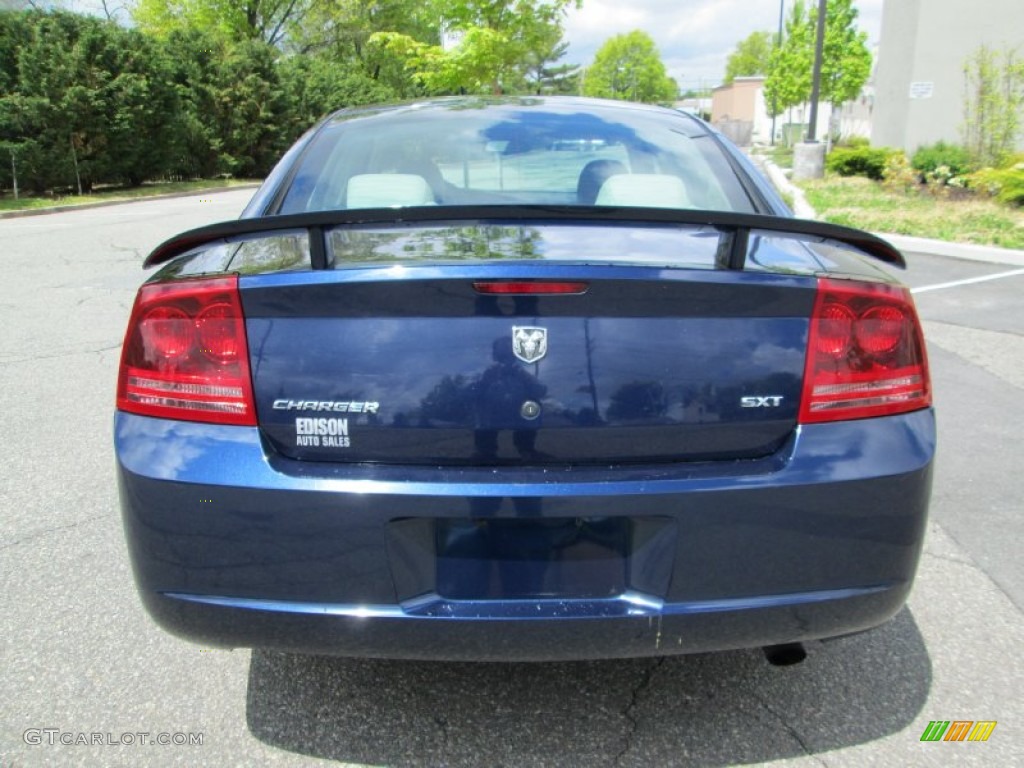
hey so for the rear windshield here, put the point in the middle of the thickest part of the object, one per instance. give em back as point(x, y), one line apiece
point(514, 154)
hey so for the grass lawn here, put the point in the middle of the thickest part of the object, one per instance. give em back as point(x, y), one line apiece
point(780, 154)
point(862, 203)
point(25, 202)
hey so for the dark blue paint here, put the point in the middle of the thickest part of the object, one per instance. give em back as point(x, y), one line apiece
point(830, 527)
point(528, 558)
point(647, 365)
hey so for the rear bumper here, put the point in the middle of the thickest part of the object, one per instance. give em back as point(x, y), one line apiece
point(232, 546)
point(390, 632)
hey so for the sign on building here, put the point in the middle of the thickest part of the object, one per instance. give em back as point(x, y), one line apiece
point(923, 90)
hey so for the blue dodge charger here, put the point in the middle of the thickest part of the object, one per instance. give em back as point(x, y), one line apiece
point(522, 379)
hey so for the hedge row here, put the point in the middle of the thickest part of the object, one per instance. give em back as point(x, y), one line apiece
point(84, 101)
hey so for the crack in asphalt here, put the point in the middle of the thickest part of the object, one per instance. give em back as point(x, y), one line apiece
point(55, 355)
point(135, 252)
point(47, 531)
point(789, 729)
point(1007, 593)
point(956, 560)
point(634, 700)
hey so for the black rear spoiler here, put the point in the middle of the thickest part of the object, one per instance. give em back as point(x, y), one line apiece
point(732, 253)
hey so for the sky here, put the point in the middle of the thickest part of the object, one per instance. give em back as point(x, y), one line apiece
point(694, 37)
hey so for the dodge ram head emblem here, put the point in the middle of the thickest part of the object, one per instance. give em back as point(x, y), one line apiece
point(529, 344)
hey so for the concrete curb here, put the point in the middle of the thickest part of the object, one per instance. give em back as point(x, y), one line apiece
point(777, 176)
point(989, 254)
point(105, 203)
point(966, 251)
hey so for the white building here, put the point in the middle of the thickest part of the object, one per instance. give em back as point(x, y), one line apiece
point(739, 111)
point(919, 80)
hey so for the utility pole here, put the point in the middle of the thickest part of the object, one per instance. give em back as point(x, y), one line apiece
point(809, 155)
point(819, 46)
point(778, 44)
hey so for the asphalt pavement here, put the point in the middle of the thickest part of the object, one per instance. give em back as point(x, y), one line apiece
point(82, 662)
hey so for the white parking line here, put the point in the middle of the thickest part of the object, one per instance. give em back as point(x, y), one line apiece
point(968, 281)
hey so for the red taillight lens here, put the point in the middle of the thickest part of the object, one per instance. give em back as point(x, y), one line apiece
point(866, 356)
point(185, 354)
point(166, 331)
point(880, 329)
point(835, 330)
point(217, 337)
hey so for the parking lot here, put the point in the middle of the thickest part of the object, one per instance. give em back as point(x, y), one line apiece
point(81, 658)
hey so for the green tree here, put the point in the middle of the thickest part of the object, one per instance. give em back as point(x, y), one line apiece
point(194, 69)
point(318, 85)
point(993, 104)
point(498, 37)
point(628, 67)
point(342, 28)
point(846, 59)
point(254, 119)
point(92, 102)
point(14, 35)
point(751, 57)
point(544, 74)
point(235, 117)
point(266, 20)
point(339, 33)
point(789, 65)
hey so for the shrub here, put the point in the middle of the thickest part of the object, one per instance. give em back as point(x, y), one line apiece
point(1004, 184)
point(898, 175)
point(929, 159)
point(859, 161)
point(1012, 160)
point(854, 142)
point(940, 177)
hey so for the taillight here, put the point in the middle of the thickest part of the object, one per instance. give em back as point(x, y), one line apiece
point(865, 355)
point(185, 355)
point(530, 287)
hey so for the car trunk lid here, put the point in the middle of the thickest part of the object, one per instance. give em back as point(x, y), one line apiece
point(424, 365)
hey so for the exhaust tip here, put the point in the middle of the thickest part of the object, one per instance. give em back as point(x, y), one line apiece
point(785, 655)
